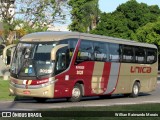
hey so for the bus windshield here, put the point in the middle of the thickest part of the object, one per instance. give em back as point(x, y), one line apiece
point(32, 59)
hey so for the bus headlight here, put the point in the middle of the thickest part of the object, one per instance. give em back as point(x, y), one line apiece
point(11, 91)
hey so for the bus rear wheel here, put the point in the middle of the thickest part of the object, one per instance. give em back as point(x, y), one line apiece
point(76, 93)
point(135, 89)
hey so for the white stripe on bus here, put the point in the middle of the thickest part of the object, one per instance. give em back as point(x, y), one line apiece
point(113, 77)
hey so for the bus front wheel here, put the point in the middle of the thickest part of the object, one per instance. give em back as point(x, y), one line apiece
point(76, 93)
point(135, 89)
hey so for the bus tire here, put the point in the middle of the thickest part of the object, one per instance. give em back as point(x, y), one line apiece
point(40, 100)
point(135, 90)
point(76, 93)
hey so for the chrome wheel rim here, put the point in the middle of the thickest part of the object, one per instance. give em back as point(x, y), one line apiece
point(75, 92)
point(135, 89)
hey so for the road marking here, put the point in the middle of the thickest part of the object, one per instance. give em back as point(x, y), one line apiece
point(151, 101)
point(124, 103)
point(6, 101)
point(18, 109)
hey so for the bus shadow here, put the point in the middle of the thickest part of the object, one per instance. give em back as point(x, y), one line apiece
point(113, 97)
point(144, 94)
point(64, 100)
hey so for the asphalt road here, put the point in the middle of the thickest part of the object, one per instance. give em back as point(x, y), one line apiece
point(29, 104)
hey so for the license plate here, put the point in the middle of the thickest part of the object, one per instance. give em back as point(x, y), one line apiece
point(26, 92)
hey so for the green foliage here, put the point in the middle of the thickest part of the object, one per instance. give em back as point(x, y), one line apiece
point(113, 25)
point(84, 15)
point(126, 19)
point(138, 14)
point(10, 26)
point(149, 33)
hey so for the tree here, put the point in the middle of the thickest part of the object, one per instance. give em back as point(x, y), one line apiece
point(41, 12)
point(36, 14)
point(112, 25)
point(138, 14)
point(126, 19)
point(84, 15)
point(149, 33)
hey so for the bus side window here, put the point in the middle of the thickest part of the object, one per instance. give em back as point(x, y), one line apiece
point(127, 54)
point(85, 52)
point(114, 52)
point(140, 55)
point(151, 56)
point(62, 60)
point(100, 51)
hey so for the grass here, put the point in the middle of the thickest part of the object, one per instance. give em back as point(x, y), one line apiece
point(137, 107)
point(109, 110)
point(106, 112)
point(4, 90)
point(95, 111)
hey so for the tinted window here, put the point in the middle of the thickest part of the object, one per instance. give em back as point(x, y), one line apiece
point(62, 60)
point(100, 51)
point(127, 54)
point(85, 52)
point(151, 56)
point(140, 55)
point(43, 52)
point(114, 52)
point(72, 42)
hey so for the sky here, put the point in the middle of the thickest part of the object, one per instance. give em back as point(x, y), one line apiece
point(111, 5)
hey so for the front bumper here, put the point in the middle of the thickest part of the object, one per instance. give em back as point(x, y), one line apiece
point(45, 92)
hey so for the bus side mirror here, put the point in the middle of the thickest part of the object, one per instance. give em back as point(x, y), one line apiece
point(55, 49)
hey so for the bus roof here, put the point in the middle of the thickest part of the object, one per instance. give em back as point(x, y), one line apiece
point(56, 36)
